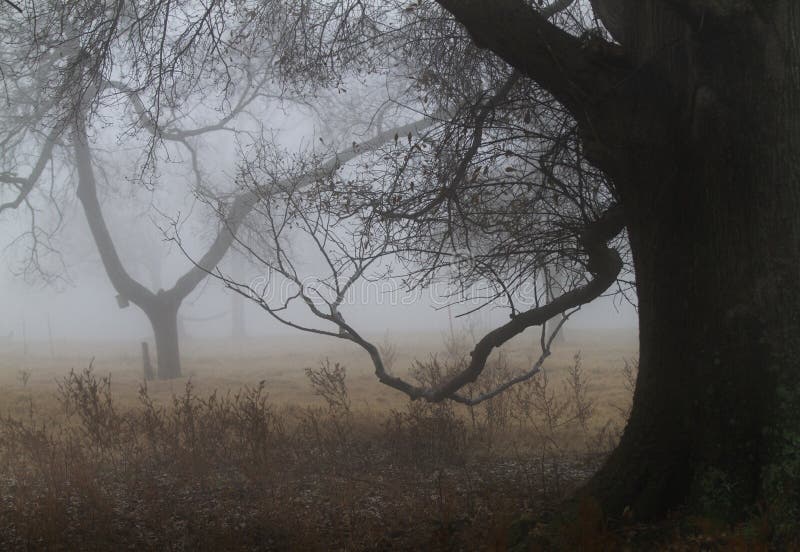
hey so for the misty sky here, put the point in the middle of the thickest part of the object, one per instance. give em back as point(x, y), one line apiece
point(88, 310)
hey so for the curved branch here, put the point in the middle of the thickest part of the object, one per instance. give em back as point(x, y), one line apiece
point(244, 203)
point(25, 184)
point(241, 207)
point(526, 40)
point(605, 265)
point(124, 284)
point(13, 5)
point(150, 124)
point(525, 376)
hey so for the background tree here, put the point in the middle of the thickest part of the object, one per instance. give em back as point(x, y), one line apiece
point(81, 70)
point(70, 71)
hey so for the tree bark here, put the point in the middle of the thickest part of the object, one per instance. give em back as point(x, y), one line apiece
point(713, 215)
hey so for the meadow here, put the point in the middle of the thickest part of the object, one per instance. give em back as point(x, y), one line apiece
point(290, 443)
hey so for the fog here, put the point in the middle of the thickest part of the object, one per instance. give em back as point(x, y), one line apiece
point(85, 308)
point(60, 290)
point(323, 275)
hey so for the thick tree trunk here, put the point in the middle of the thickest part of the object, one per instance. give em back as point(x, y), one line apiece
point(713, 214)
point(164, 319)
point(695, 118)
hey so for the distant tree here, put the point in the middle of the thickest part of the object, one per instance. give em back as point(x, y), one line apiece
point(70, 71)
point(168, 78)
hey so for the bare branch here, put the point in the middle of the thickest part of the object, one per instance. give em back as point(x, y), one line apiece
point(554, 8)
point(13, 5)
point(552, 57)
point(26, 184)
point(606, 266)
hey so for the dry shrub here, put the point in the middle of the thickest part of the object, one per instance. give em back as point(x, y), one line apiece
point(231, 471)
point(424, 433)
point(330, 428)
point(89, 398)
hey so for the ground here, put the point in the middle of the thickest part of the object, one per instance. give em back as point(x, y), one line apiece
point(251, 451)
point(280, 360)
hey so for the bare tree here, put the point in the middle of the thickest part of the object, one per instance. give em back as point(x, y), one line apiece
point(495, 195)
point(688, 109)
point(668, 123)
point(75, 67)
point(570, 132)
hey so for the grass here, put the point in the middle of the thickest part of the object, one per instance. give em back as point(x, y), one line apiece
point(243, 458)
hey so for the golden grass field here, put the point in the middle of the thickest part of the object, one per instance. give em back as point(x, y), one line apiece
point(216, 460)
point(227, 365)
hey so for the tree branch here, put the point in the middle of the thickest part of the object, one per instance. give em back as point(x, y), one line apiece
point(526, 40)
point(605, 265)
point(25, 184)
point(556, 7)
point(244, 203)
point(13, 5)
point(124, 284)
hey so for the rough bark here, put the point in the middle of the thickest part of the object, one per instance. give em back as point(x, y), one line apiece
point(716, 243)
point(701, 140)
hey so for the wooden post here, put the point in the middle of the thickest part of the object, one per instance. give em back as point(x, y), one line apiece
point(147, 368)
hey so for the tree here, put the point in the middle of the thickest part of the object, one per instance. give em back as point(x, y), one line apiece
point(168, 76)
point(688, 107)
point(670, 125)
point(71, 69)
point(691, 112)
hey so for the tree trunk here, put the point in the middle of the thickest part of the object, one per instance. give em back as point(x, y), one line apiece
point(695, 117)
point(147, 368)
point(713, 212)
point(161, 307)
point(164, 319)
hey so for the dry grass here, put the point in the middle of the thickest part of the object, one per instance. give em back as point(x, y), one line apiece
point(252, 452)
